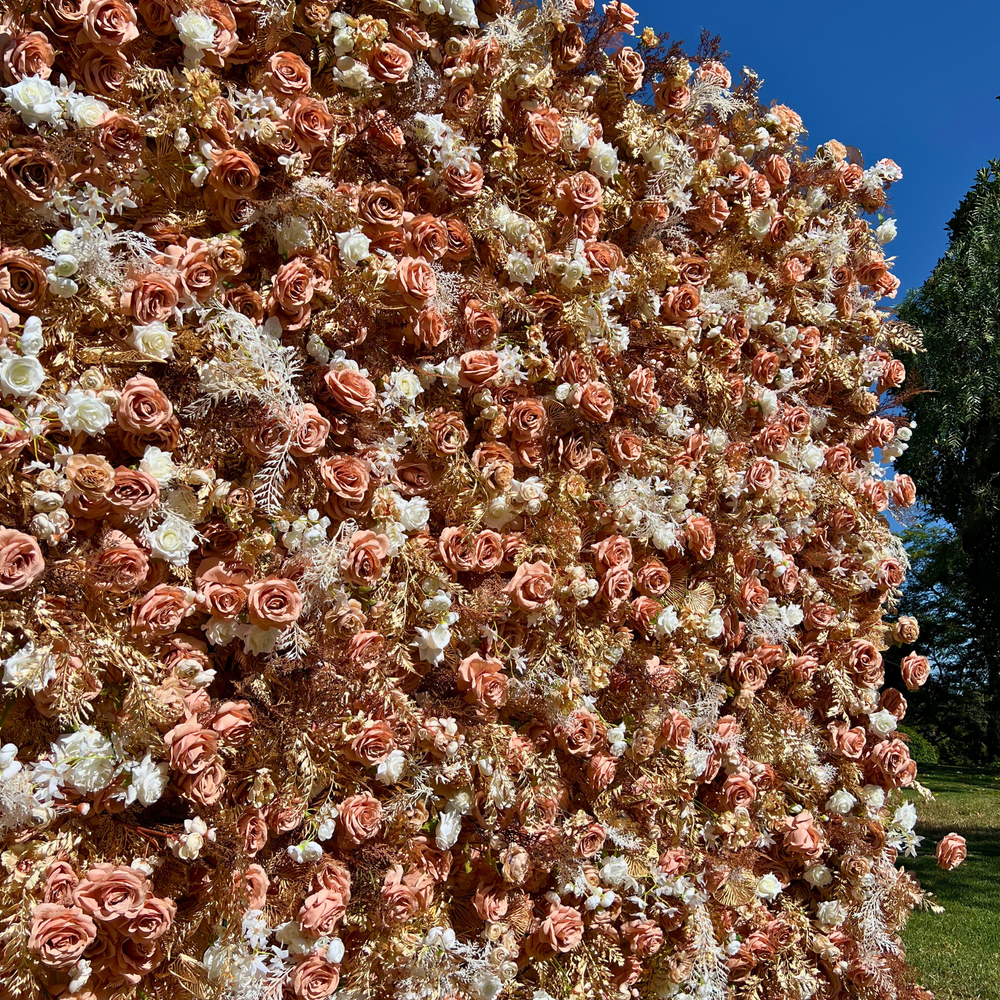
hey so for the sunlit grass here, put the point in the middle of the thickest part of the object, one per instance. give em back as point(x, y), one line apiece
point(957, 953)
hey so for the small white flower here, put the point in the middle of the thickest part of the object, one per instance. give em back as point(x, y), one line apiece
point(354, 246)
point(259, 640)
point(335, 951)
point(873, 797)
point(196, 832)
point(294, 233)
point(614, 871)
point(352, 73)
point(154, 340)
point(406, 383)
point(432, 643)
point(306, 852)
point(818, 876)
point(414, 513)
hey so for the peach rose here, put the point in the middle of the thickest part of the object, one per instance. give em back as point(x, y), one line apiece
point(21, 561)
point(273, 601)
point(287, 75)
point(641, 391)
point(153, 920)
point(890, 760)
point(390, 63)
point(849, 743)
point(562, 929)
point(381, 206)
point(531, 586)
point(464, 181)
point(596, 402)
point(252, 827)
point(581, 733)
point(315, 978)
point(699, 536)
point(120, 567)
point(675, 729)
point(477, 368)
point(951, 851)
point(915, 670)
point(256, 884)
point(133, 491)
point(191, 747)
point(488, 550)
point(204, 788)
point(527, 419)
point(446, 432)
point(903, 491)
point(543, 133)
point(481, 324)
point(311, 123)
point(153, 298)
point(31, 176)
point(801, 837)
point(161, 610)
point(360, 819)
point(415, 280)
point(350, 390)
point(762, 475)
point(615, 550)
point(108, 24)
point(864, 662)
point(59, 935)
point(142, 406)
point(364, 562)
point(27, 54)
point(112, 892)
point(232, 720)
point(578, 193)
point(681, 303)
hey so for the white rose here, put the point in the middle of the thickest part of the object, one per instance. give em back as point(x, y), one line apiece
point(64, 241)
point(517, 228)
point(873, 796)
point(818, 876)
point(354, 246)
point(886, 232)
point(65, 265)
point(579, 133)
point(666, 622)
point(603, 160)
point(883, 722)
point(448, 828)
point(841, 802)
point(768, 887)
point(352, 73)
point(45, 502)
point(159, 464)
point(221, 631)
point(21, 377)
point(462, 12)
point(61, 288)
point(196, 31)
point(34, 99)
point(87, 111)
point(413, 514)
point(153, 340)
point(406, 383)
point(173, 541)
point(149, 781)
point(905, 816)
point(520, 268)
point(294, 234)
point(390, 770)
point(614, 871)
point(32, 340)
point(576, 271)
point(259, 640)
point(830, 913)
point(335, 951)
point(811, 457)
point(84, 411)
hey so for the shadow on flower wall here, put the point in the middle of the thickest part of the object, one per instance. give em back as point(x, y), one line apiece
point(443, 554)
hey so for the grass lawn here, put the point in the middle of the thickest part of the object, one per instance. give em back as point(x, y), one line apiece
point(957, 953)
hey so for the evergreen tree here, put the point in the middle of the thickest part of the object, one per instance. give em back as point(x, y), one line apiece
point(955, 454)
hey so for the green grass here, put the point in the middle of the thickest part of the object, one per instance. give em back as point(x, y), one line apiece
point(956, 954)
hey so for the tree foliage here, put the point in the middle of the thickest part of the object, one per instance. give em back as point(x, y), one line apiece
point(955, 454)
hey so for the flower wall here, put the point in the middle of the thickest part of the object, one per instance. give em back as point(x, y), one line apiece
point(442, 548)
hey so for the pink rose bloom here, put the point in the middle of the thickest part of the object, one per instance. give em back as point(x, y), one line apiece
point(562, 929)
point(315, 978)
point(531, 585)
point(360, 819)
point(112, 892)
point(21, 561)
point(273, 602)
point(951, 851)
point(915, 670)
point(256, 883)
point(192, 747)
point(59, 935)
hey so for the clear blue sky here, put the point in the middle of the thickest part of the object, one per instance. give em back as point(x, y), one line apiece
point(910, 80)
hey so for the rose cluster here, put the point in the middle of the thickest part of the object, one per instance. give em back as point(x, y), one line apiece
point(442, 548)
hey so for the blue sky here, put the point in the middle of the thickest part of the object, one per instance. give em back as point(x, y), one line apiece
point(909, 80)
